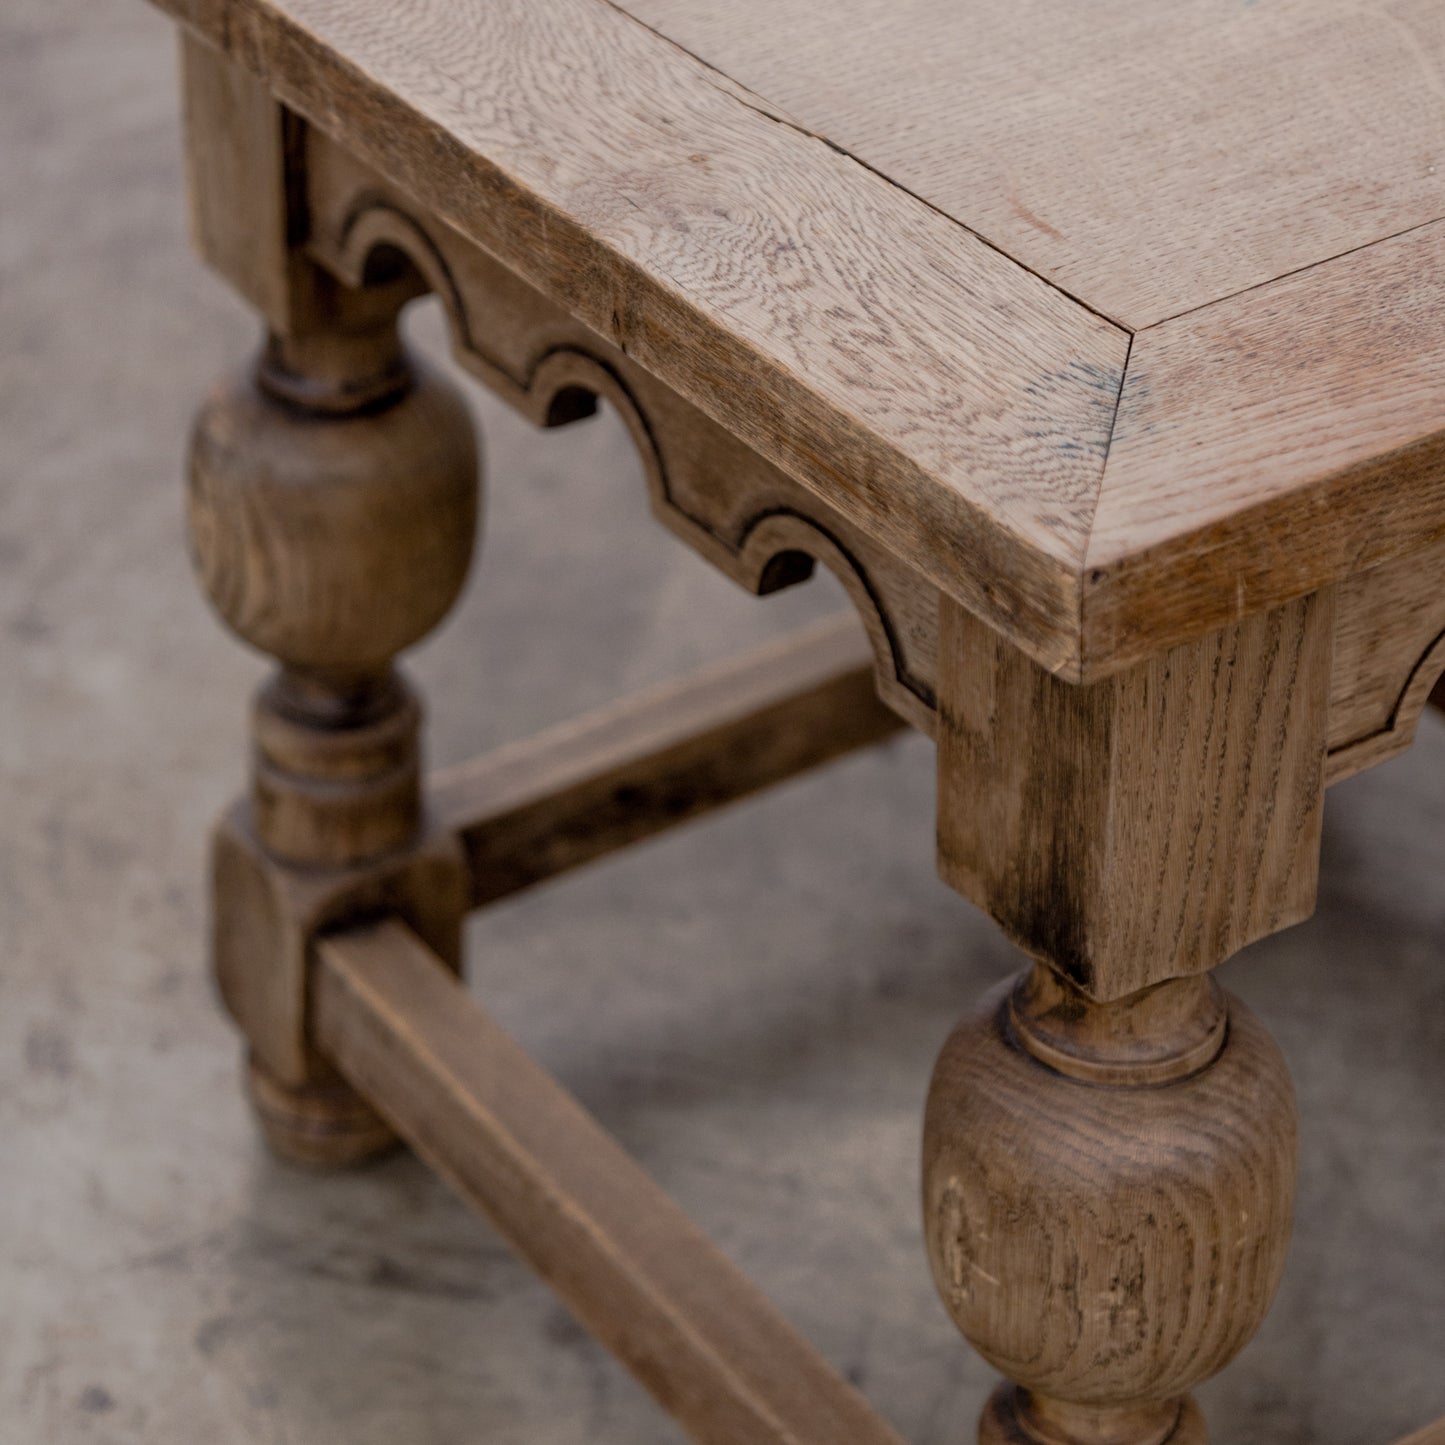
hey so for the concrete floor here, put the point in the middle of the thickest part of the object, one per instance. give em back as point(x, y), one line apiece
point(753, 1004)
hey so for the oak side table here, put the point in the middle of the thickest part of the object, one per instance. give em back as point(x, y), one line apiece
point(1098, 349)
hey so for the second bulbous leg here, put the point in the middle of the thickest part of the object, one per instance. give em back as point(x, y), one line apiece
point(333, 512)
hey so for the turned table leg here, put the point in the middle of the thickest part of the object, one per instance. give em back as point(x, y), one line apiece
point(333, 507)
point(1110, 1139)
point(1108, 1194)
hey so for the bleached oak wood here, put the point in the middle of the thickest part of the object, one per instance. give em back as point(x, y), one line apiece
point(1157, 576)
point(1271, 444)
point(928, 387)
point(1389, 655)
point(333, 500)
point(934, 394)
point(661, 757)
point(1147, 158)
point(240, 143)
point(708, 487)
point(1107, 1245)
point(628, 1262)
point(741, 513)
point(1147, 826)
point(1109, 1150)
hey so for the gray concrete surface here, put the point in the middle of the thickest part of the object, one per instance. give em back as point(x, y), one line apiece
point(753, 1004)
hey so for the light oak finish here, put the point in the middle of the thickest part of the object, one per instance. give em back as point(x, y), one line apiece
point(1127, 1244)
point(267, 913)
point(333, 507)
point(1110, 383)
point(858, 340)
point(243, 145)
point(930, 386)
point(1148, 826)
point(628, 1262)
point(1389, 654)
point(709, 489)
point(659, 758)
point(1272, 443)
point(1149, 159)
point(1109, 1149)
point(501, 823)
point(704, 484)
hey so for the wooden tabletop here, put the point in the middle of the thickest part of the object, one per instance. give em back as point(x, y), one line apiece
point(1117, 321)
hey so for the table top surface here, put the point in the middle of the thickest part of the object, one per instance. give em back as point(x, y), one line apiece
point(1120, 321)
point(1146, 159)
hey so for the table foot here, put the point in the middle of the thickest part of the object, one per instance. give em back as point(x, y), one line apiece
point(323, 1125)
point(1013, 1417)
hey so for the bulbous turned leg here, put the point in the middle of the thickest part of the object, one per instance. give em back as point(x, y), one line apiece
point(1107, 1199)
point(333, 510)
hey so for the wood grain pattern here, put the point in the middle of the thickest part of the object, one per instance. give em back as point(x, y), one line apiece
point(1149, 159)
point(240, 144)
point(1389, 655)
point(1107, 1249)
point(953, 410)
point(659, 758)
point(707, 486)
point(633, 1268)
point(920, 382)
point(297, 526)
point(1307, 408)
point(1147, 826)
point(333, 507)
point(265, 916)
point(817, 365)
point(1271, 444)
point(498, 824)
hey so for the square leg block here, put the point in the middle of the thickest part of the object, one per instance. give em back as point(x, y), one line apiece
point(267, 916)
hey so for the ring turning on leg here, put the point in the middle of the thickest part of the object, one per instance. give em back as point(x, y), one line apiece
point(1110, 1140)
point(333, 510)
point(1107, 1245)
